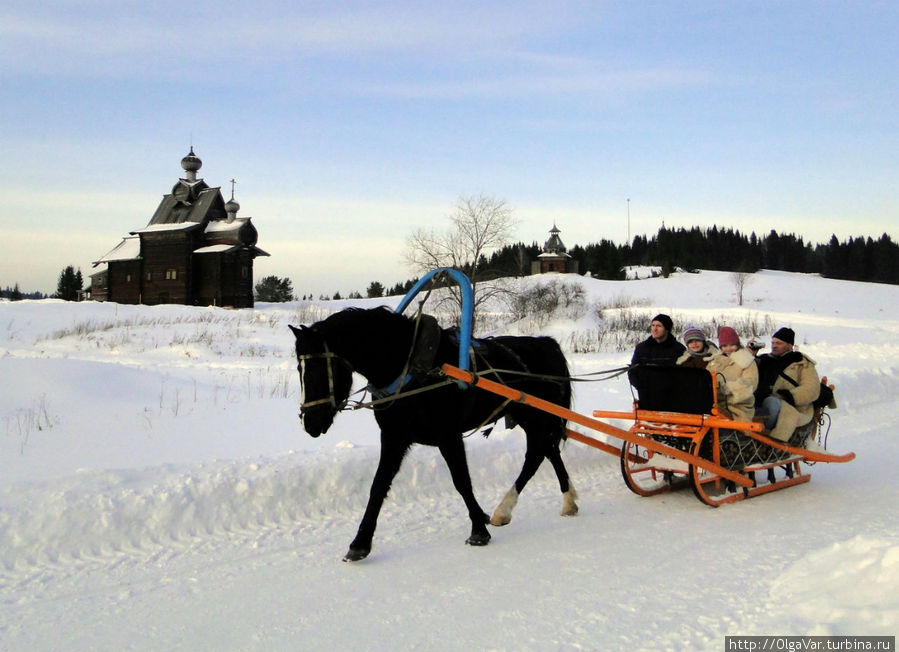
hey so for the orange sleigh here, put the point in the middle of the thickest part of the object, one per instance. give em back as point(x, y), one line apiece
point(679, 439)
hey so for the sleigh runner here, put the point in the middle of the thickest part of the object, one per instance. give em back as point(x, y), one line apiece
point(677, 438)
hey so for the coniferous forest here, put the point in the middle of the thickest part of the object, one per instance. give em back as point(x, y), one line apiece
point(856, 259)
point(720, 249)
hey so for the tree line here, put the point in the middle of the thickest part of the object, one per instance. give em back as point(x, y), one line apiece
point(69, 287)
point(856, 259)
point(717, 249)
point(15, 294)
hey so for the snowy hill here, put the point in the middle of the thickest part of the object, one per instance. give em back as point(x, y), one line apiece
point(157, 491)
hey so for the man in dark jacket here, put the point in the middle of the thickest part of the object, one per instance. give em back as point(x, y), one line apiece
point(660, 348)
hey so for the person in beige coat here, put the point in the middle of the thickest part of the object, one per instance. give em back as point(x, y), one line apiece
point(737, 374)
point(788, 385)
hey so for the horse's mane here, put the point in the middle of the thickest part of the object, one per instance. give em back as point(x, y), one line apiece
point(381, 321)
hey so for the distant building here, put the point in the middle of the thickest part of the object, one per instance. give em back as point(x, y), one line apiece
point(194, 251)
point(555, 257)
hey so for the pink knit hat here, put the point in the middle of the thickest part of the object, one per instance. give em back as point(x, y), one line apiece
point(728, 335)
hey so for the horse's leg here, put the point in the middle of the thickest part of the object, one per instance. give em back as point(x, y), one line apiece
point(453, 451)
point(537, 450)
point(389, 464)
point(533, 457)
point(569, 493)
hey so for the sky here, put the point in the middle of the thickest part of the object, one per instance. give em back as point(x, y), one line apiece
point(347, 126)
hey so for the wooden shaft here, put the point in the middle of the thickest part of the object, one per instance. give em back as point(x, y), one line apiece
point(593, 424)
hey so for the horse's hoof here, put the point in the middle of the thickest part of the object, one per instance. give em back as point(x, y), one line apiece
point(499, 520)
point(569, 503)
point(356, 554)
point(478, 539)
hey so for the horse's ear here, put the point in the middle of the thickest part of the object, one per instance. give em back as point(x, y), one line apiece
point(296, 331)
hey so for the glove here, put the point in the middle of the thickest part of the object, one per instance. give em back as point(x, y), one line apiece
point(787, 396)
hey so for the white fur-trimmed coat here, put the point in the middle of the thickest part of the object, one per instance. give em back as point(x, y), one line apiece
point(738, 376)
point(793, 416)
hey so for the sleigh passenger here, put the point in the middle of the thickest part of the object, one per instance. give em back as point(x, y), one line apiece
point(788, 386)
point(661, 347)
point(698, 350)
point(737, 374)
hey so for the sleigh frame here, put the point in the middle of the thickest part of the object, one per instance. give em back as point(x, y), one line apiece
point(678, 439)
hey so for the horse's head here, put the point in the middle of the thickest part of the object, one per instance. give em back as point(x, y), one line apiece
point(325, 380)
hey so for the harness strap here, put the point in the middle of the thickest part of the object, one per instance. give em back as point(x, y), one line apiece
point(418, 351)
point(375, 403)
point(331, 399)
point(580, 378)
point(493, 417)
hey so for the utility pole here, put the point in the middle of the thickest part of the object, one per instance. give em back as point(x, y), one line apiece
point(628, 221)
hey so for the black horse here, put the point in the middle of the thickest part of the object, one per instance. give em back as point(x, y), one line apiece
point(399, 355)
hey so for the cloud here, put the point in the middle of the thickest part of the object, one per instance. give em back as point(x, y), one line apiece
point(596, 82)
point(100, 35)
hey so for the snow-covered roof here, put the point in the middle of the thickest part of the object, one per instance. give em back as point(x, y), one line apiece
point(225, 226)
point(175, 226)
point(216, 249)
point(127, 249)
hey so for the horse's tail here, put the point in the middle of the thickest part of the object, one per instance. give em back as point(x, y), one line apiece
point(565, 374)
point(562, 380)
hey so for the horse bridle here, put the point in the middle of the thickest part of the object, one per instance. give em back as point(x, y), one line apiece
point(331, 398)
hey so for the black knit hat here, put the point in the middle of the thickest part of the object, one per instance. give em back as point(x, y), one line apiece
point(785, 335)
point(665, 320)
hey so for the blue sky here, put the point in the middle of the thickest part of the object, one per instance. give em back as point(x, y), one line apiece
point(349, 125)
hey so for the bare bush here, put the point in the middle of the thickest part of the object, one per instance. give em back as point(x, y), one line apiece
point(309, 313)
point(747, 325)
point(23, 422)
point(552, 300)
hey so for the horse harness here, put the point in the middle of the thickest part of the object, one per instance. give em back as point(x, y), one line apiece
point(419, 363)
point(331, 398)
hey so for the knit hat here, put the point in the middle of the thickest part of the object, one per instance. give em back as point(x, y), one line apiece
point(728, 335)
point(785, 335)
point(665, 320)
point(694, 333)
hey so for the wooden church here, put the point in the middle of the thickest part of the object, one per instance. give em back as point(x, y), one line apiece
point(194, 251)
point(554, 257)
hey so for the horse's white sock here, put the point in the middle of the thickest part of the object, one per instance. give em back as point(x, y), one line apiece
point(503, 513)
point(569, 506)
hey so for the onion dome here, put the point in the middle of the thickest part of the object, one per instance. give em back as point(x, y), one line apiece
point(231, 206)
point(191, 162)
